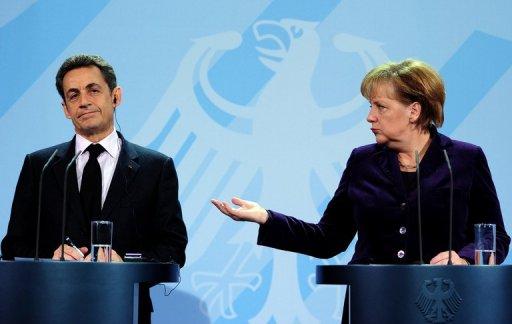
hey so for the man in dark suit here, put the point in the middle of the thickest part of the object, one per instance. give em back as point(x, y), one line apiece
point(113, 179)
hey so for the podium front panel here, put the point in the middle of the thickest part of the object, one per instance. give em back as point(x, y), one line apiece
point(424, 293)
point(75, 292)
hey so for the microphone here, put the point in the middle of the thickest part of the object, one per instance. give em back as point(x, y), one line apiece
point(40, 198)
point(420, 237)
point(451, 207)
point(64, 204)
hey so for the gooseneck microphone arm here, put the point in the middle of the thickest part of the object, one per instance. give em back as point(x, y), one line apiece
point(64, 204)
point(451, 207)
point(420, 237)
point(39, 203)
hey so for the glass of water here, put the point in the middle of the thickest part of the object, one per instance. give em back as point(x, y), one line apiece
point(101, 241)
point(485, 244)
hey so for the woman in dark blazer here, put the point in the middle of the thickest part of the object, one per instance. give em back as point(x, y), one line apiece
point(377, 195)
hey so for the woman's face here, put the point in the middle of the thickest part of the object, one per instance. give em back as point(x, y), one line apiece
point(391, 121)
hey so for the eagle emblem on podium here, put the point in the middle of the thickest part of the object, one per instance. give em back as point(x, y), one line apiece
point(438, 300)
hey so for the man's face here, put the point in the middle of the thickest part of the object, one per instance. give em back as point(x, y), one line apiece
point(89, 103)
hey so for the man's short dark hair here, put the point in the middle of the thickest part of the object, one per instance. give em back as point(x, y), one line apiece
point(85, 60)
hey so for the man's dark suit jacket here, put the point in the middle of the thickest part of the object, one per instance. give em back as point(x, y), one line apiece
point(142, 202)
point(372, 201)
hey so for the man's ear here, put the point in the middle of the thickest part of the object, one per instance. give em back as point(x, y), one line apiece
point(117, 95)
point(65, 110)
point(415, 112)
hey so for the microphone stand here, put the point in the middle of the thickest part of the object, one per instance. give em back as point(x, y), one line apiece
point(420, 237)
point(64, 204)
point(39, 204)
point(451, 207)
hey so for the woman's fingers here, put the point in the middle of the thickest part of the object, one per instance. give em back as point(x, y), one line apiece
point(225, 208)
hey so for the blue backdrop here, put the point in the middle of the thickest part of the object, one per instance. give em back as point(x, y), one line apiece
point(254, 98)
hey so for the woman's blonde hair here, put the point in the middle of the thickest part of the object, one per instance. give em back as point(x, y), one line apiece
point(412, 81)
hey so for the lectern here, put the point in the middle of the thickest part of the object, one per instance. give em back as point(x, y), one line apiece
point(423, 293)
point(76, 292)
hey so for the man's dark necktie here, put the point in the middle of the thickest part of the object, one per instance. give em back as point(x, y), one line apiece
point(90, 190)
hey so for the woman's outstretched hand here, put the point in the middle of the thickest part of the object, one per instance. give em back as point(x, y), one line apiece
point(247, 211)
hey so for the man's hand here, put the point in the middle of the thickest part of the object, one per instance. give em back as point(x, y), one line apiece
point(116, 257)
point(102, 257)
point(70, 253)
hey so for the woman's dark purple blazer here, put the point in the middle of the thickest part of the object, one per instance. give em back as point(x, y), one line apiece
point(372, 201)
